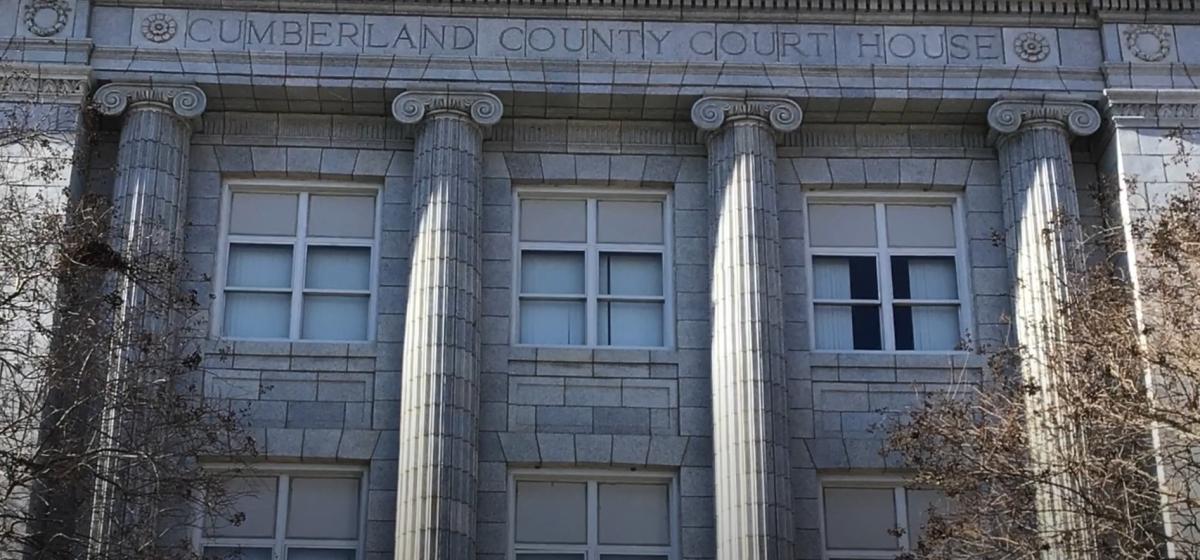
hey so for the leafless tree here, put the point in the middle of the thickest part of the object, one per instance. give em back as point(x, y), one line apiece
point(1128, 402)
point(102, 418)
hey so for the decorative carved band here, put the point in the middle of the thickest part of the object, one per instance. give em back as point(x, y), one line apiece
point(1009, 115)
point(412, 106)
point(1154, 108)
point(709, 113)
point(62, 83)
point(187, 101)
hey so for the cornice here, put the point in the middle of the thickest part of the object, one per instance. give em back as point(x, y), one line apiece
point(186, 100)
point(1132, 108)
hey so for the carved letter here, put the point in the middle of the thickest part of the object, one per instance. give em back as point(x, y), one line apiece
point(711, 49)
point(960, 47)
point(905, 51)
point(863, 44)
point(348, 31)
point(318, 33)
point(504, 38)
point(658, 41)
point(293, 33)
point(193, 36)
point(253, 37)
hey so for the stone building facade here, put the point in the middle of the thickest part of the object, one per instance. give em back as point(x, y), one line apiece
point(603, 279)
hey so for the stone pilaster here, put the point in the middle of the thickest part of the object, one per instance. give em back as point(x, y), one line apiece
point(1041, 216)
point(749, 380)
point(439, 404)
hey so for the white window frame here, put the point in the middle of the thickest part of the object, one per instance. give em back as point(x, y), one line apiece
point(899, 487)
point(299, 243)
point(883, 265)
point(594, 477)
point(280, 542)
point(591, 273)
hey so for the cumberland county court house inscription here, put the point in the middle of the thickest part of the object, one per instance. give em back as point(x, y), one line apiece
point(410, 36)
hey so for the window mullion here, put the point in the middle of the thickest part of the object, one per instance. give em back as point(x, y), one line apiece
point(284, 489)
point(885, 279)
point(591, 279)
point(902, 518)
point(593, 519)
point(300, 261)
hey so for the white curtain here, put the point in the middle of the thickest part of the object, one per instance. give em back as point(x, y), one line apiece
point(935, 327)
point(329, 317)
point(338, 268)
point(932, 278)
point(831, 278)
point(626, 323)
point(551, 512)
point(323, 508)
point(834, 326)
point(341, 216)
point(551, 322)
point(546, 272)
point(634, 514)
point(631, 274)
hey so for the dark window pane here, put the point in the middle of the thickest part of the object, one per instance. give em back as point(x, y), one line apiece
point(863, 282)
point(866, 327)
point(904, 326)
point(900, 284)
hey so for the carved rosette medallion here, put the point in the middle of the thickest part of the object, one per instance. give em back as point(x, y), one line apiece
point(46, 17)
point(1009, 115)
point(710, 113)
point(186, 100)
point(1031, 46)
point(1148, 42)
point(159, 28)
point(411, 107)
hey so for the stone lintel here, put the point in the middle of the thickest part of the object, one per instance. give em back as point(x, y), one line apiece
point(187, 101)
point(1010, 114)
point(710, 113)
point(483, 108)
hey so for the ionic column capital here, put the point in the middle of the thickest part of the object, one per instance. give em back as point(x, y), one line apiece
point(186, 101)
point(1007, 116)
point(411, 107)
point(710, 113)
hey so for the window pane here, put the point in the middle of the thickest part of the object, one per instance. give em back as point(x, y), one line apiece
point(549, 556)
point(629, 222)
point(623, 323)
point(259, 266)
point(841, 225)
point(236, 553)
point(323, 508)
point(631, 274)
point(251, 512)
point(927, 327)
point(634, 514)
point(924, 278)
point(320, 554)
point(551, 322)
point(633, 557)
point(263, 214)
point(545, 272)
point(551, 512)
point(846, 327)
point(920, 226)
point(251, 315)
point(341, 216)
point(845, 278)
point(860, 518)
point(554, 220)
point(334, 317)
point(338, 268)
point(920, 504)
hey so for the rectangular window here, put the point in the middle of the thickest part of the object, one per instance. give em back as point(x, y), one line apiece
point(590, 515)
point(592, 271)
point(873, 517)
point(886, 274)
point(294, 514)
point(299, 262)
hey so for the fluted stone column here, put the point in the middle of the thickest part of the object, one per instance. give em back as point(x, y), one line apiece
point(439, 404)
point(1041, 216)
point(148, 205)
point(749, 381)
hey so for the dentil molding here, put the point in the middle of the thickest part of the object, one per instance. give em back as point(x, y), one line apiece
point(710, 113)
point(187, 101)
point(411, 107)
